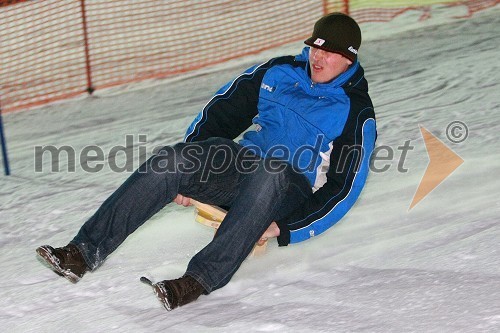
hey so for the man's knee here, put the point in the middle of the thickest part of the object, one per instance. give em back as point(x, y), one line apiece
point(275, 174)
point(189, 158)
point(162, 161)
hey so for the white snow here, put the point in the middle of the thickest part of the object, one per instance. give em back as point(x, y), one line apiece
point(435, 268)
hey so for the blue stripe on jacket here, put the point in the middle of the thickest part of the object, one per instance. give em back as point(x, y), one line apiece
point(344, 204)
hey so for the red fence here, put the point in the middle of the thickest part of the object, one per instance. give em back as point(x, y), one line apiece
point(52, 49)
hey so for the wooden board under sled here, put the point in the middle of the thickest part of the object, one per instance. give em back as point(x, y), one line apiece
point(212, 216)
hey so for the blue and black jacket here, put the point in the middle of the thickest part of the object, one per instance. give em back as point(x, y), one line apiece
point(328, 130)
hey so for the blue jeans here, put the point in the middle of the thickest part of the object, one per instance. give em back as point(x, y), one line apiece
point(216, 171)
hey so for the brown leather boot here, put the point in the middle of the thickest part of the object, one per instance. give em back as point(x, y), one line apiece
point(178, 292)
point(66, 261)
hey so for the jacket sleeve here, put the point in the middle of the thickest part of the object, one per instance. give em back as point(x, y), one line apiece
point(346, 176)
point(231, 110)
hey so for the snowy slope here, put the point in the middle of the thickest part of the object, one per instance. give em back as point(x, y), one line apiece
point(383, 268)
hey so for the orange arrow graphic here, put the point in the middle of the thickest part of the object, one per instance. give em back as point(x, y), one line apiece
point(442, 162)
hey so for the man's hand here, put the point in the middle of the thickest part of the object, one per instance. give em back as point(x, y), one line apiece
point(182, 200)
point(272, 231)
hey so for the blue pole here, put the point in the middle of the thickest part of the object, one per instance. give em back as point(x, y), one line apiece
point(4, 148)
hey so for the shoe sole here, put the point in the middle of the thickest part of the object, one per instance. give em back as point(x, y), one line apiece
point(45, 253)
point(160, 294)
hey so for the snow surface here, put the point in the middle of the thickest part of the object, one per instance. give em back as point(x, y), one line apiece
point(383, 268)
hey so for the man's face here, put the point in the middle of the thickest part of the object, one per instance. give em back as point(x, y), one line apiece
point(326, 66)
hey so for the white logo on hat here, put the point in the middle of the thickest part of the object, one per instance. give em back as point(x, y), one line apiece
point(319, 41)
point(353, 50)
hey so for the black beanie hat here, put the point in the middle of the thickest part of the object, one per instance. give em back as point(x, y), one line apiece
point(337, 33)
